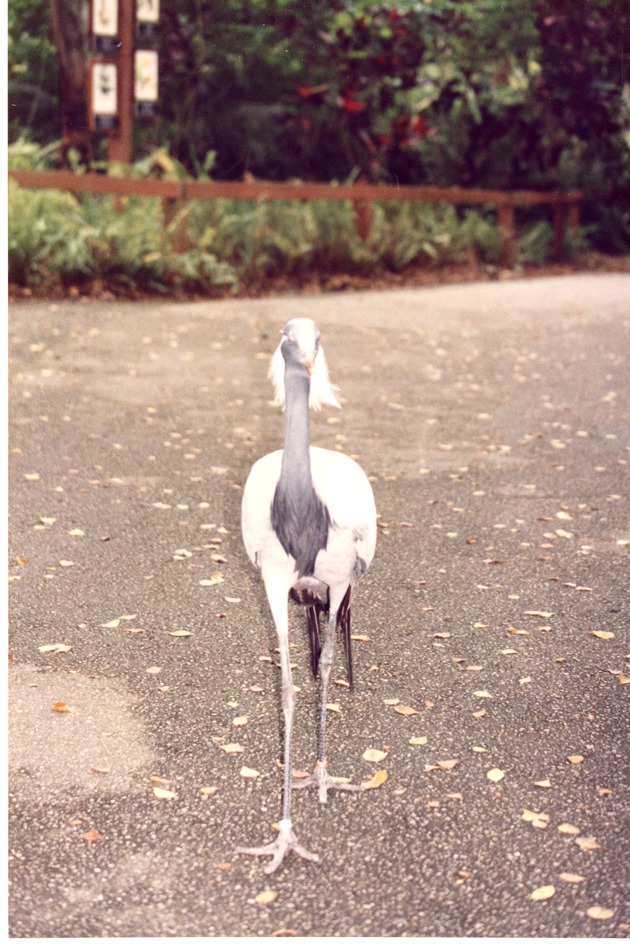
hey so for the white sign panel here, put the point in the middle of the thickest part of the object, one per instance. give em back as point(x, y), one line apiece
point(146, 75)
point(104, 89)
point(148, 11)
point(105, 17)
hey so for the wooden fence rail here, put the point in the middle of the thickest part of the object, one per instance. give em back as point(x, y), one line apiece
point(174, 193)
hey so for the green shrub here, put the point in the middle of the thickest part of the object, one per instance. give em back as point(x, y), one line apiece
point(44, 235)
point(58, 238)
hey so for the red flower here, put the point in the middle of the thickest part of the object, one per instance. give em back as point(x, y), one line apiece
point(351, 105)
point(311, 91)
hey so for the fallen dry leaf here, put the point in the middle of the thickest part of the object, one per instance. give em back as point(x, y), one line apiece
point(92, 836)
point(568, 829)
point(405, 710)
point(442, 765)
point(575, 759)
point(111, 624)
point(232, 749)
point(208, 791)
point(482, 694)
point(377, 779)
point(571, 877)
point(543, 784)
point(418, 740)
point(602, 634)
point(284, 933)
point(360, 637)
point(600, 913)
point(495, 774)
point(215, 578)
point(266, 896)
point(246, 772)
point(163, 794)
point(240, 720)
point(62, 707)
point(333, 707)
point(529, 815)
point(178, 633)
point(538, 613)
point(587, 843)
point(54, 648)
point(542, 893)
point(374, 754)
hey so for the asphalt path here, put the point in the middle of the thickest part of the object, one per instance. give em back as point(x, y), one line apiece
point(492, 648)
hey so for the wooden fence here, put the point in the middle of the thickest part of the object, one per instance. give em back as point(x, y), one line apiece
point(175, 193)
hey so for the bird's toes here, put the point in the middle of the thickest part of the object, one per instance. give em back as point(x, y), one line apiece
point(324, 782)
point(278, 849)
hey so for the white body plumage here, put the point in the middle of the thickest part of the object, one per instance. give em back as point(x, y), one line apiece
point(345, 491)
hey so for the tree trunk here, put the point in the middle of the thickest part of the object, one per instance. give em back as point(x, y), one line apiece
point(70, 28)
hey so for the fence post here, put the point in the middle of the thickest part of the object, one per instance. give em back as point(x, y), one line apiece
point(362, 217)
point(559, 228)
point(505, 223)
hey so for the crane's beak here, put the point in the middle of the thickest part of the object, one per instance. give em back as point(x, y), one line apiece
point(309, 362)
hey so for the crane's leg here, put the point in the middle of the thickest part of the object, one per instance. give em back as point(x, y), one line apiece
point(286, 839)
point(320, 777)
point(344, 624)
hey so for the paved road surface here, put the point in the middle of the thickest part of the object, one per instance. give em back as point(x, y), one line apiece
point(494, 421)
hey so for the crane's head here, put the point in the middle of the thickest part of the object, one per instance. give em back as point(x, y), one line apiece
point(300, 347)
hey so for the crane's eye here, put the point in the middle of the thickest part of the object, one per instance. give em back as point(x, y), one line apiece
point(289, 337)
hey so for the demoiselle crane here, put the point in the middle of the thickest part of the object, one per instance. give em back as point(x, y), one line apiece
point(309, 526)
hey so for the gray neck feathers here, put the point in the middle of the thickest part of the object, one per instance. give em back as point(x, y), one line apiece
point(298, 517)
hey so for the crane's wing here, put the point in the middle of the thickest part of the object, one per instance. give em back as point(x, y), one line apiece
point(346, 492)
point(258, 535)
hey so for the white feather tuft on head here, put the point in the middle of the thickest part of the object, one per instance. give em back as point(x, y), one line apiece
point(322, 392)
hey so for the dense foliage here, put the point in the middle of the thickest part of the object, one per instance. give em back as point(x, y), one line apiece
point(498, 93)
point(90, 243)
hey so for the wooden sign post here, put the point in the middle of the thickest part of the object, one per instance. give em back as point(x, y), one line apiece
point(121, 140)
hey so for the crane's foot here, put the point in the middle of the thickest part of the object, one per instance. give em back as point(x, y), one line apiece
point(278, 849)
point(324, 782)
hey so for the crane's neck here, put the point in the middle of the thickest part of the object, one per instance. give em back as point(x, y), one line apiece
point(299, 518)
point(296, 462)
